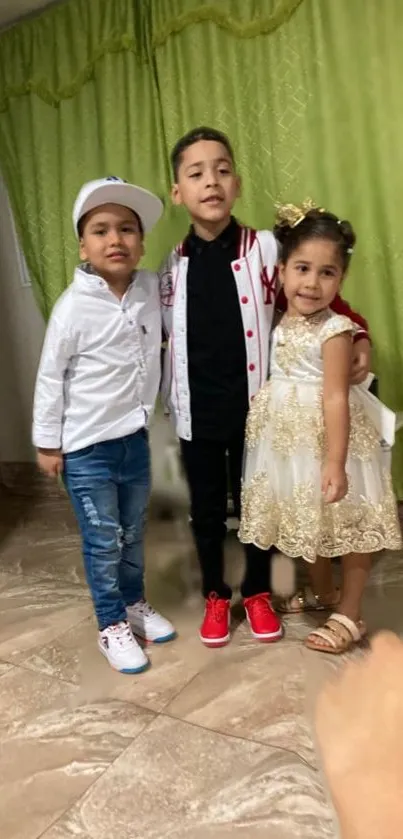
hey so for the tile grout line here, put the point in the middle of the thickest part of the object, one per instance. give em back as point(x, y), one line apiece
point(238, 738)
point(56, 638)
point(100, 776)
point(162, 714)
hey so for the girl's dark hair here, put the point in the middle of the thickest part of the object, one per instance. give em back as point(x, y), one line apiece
point(194, 136)
point(316, 225)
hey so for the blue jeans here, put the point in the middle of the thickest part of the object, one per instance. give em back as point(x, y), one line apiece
point(109, 487)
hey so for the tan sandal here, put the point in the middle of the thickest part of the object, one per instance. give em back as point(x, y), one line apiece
point(306, 601)
point(339, 633)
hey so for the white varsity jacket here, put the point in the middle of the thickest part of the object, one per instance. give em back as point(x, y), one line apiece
point(255, 276)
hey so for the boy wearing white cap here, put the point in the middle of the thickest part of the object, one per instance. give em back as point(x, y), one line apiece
point(96, 387)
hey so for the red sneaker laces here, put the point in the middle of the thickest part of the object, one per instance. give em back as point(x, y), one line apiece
point(217, 607)
point(260, 604)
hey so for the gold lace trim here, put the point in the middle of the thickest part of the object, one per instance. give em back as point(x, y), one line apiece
point(301, 527)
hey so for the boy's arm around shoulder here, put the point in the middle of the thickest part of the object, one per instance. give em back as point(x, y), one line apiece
point(166, 291)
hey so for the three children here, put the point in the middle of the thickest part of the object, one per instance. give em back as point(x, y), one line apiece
point(99, 376)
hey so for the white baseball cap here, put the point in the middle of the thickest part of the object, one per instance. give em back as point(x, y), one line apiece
point(113, 190)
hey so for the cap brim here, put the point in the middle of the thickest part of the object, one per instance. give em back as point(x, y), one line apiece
point(148, 207)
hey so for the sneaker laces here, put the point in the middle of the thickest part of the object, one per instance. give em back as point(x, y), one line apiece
point(217, 607)
point(122, 634)
point(145, 608)
point(260, 604)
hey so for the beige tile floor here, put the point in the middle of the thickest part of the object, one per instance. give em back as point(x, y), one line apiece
point(205, 745)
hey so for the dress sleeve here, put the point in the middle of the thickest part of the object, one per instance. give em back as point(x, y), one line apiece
point(341, 307)
point(337, 325)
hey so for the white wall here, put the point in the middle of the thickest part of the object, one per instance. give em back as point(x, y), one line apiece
point(12, 11)
point(21, 335)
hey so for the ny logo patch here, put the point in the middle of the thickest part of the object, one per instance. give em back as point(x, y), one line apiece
point(269, 285)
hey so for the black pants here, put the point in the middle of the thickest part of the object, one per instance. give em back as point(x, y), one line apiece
point(205, 463)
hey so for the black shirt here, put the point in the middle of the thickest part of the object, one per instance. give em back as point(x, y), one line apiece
point(215, 335)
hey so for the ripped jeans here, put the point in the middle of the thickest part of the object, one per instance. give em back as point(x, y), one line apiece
point(109, 486)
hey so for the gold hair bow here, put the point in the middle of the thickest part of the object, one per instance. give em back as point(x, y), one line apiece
point(292, 215)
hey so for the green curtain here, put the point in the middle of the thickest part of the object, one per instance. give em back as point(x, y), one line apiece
point(308, 90)
point(77, 101)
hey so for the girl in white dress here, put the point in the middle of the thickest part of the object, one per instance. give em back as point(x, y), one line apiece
point(316, 480)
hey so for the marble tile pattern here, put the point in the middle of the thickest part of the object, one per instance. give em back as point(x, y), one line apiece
point(205, 745)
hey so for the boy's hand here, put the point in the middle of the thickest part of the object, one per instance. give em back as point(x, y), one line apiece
point(361, 361)
point(334, 482)
point(50, 461)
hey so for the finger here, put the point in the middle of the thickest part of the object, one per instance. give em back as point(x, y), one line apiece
point(330, 496)
point(342, 684)
point(359, 360)
point(325, 483)
point(358, 369)
point(386, 642)
point(339, 493)
point(358, 378)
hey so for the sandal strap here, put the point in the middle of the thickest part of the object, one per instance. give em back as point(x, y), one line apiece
point(306, 597)
point(333, 637)
point(348, 624)
point(326, 633)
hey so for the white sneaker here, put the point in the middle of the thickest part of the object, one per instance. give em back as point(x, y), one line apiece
point(149, 624)
point(118, 644)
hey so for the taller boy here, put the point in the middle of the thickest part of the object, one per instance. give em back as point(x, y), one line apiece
point(218, 293)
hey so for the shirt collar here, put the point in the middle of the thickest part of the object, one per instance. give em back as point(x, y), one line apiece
point(229, 236)
point(89, 282)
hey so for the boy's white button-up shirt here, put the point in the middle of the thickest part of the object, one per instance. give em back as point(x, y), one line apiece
point(99, 372)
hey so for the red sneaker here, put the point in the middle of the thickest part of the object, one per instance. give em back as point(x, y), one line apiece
point(262, 619)
point(214, 631)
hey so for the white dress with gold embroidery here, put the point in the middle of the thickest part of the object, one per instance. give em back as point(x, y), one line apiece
point(282, 503)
